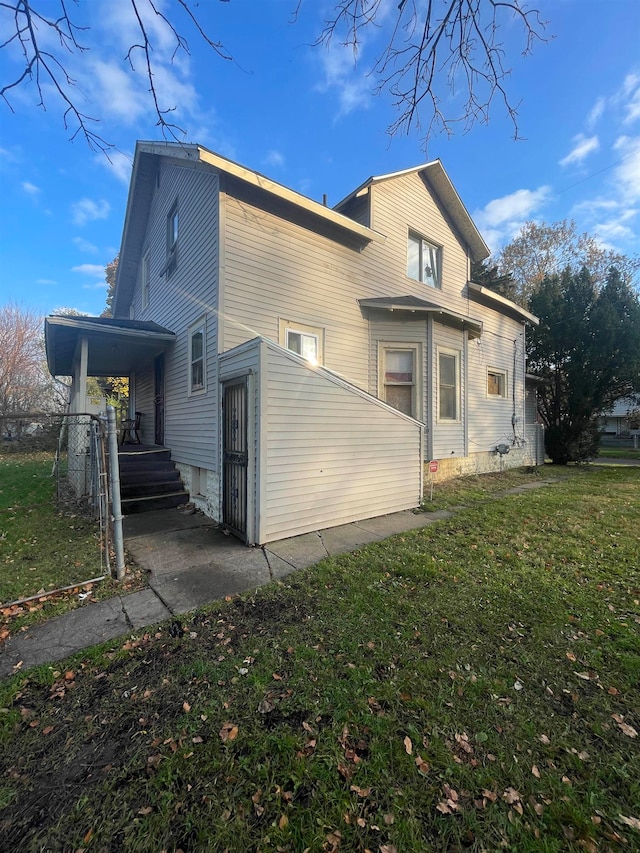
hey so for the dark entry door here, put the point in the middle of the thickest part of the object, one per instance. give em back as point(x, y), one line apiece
point(158, 399)
point(235, 456)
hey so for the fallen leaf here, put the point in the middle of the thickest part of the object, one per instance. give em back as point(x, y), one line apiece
point(388, 848)
point(186, 707)
point(229, 731)
point(612, 691)
point(544, 739)
point(625, 728)
point(571, 656)
point(633, 822)
point(422, 765)
point(535, 771)
point(47, 730)
point(511, 796)
point(361, 792)
point(145, 810)
point(388, 819)
point(284, 821)
point(408, 746)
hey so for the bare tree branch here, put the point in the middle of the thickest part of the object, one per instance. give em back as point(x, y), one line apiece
point(41, 65)
point(452, 41)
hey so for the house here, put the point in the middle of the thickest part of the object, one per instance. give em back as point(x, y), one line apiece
point(303, 362)
point(622, 418)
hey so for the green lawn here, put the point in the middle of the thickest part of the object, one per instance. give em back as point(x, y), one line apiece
point(618, 453)
point(40, 548)
point(470, 686)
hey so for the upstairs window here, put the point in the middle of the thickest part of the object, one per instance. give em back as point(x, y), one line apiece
point(172, 239)
point(145, 276)
point(423, 260)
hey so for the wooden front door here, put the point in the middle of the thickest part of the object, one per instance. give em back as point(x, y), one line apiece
point(158, 399)
point(235, 456)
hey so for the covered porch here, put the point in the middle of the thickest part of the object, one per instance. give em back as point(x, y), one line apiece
point(83, 347)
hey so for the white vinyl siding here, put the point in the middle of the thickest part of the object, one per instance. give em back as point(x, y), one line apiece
point(499, 349)
point(191, 430)
point(328, 453)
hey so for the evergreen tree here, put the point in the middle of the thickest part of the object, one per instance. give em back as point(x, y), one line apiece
point(587, 351)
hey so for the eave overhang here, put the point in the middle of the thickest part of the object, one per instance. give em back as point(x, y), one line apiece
point(448, 196)
point(502, 304)
point(413, 305)
point(141, 190)
point(115, 346)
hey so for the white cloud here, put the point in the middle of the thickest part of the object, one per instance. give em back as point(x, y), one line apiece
point(87, 210)
point(31, 189)
point(274, 158)
point(90, 269)
point(627, 173)
point(340, 72)
point(583, 146)
point(596, 113)
point(119, 93)
point(630, 95)
point(118, 163)
point(84, 246)
point(502, 218)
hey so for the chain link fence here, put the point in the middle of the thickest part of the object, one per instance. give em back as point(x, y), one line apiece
point(60, 458)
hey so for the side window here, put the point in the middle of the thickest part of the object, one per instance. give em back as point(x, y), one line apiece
point(172, 238)
point(307, 341)
point(145, 279)
point(448, 385)
point(424, 260)
point(399, 377)
point(496, 383)
point(197, 351)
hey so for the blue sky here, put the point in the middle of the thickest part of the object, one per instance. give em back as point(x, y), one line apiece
point(307, 117)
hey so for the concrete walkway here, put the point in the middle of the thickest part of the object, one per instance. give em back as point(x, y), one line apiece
point(191, 563)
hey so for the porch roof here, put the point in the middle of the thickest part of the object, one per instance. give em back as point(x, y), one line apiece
point(114, 344)
point(412, 304)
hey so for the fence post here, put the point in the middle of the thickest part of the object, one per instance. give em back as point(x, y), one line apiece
point(114, 472)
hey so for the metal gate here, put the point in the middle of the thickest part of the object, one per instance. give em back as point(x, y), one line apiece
point(235, 457)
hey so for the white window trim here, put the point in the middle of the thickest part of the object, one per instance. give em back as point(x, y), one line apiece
point(199, 326)
point(145, 279)
point(498, 372)
point(289, 326)
point(416, 349)
point(415, 235)
point(457, 355)
point(172, 242)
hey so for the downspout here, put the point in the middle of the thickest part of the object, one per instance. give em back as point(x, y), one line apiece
point(114, 471)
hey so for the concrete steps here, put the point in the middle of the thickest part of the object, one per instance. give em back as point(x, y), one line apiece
point(149, 479)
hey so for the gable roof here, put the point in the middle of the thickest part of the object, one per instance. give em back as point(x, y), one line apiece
point(447, 194)
point(141, 191)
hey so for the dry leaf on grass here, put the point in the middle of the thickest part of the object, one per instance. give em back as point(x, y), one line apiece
point(229, 731)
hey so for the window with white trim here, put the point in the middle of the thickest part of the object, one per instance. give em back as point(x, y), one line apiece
point(145, 279)
point(399, 376)
point(424, 260)
point(448, 385)
point(307, 341)
point(496, 383)
point(197, 351)
point(172, 238)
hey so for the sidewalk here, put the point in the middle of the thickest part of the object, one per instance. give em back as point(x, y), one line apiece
point(191, 563)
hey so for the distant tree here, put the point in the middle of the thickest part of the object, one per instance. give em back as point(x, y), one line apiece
point(541, 250)
point(587, 352)
point(24, 379)
point(489, 276)
point(110, 273)
point(433, 50)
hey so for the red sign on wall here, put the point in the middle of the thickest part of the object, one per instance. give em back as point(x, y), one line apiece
point(433, 466)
